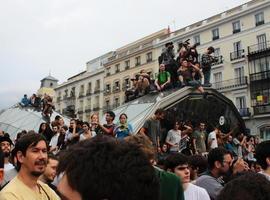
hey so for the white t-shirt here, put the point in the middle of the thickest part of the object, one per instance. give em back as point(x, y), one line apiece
point(174, 137)
point(8, 166)
point(53, 142)
point(194, 192)
point(213, 137)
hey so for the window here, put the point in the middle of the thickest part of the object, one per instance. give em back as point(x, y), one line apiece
point(116, 102)
point(239, 75)
point(51, 84)
point(265, 133)
point(196, 39)
point(107, 104)
point(261, 39)
point(97, 85)
point(108, 88)
point(117, 68)
point(89, 90)
point(215, 34)
point(217, 52)
point(137, 60)
point(149, 57)
point(116, 86)
point(217, 77)
point(259, 19)
point(236, 27)
point(240, 102)
point(127, 64)
point(108, 73)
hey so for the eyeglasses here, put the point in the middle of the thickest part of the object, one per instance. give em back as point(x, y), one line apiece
point(228, 162)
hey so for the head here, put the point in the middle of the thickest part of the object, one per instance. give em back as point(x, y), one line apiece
point(164, 148)
point(123, 118)
point(55, 129)
point(50, 171)
point(230, 138)
point(94, 118)
point(251, 186)
point(6, 146)
point(176, 125)
point(86, 126)
point(160, 114)
point(220, 160)
point(126, 166)
point(2, 158)
point(162, 67)
point(202, 126)
point(240, 136)
point(42, 127)
point(31, 154)
point(184, 63)
point(63, 129)
point(109, 116)
point(178, 164)
point(262, 154)
point(251, 140)
point(197, 165)
point(25, 95)
point(210, 50)
point(72, 123)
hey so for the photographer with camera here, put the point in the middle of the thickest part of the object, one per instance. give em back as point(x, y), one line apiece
point(123, 129)
point(207, 60)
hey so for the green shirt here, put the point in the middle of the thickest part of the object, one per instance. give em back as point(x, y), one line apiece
point(163, 77)
point(170, 185)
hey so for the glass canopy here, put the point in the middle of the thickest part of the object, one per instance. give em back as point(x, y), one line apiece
point(16, 119)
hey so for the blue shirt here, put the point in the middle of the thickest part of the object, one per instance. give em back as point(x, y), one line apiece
point(121, 133)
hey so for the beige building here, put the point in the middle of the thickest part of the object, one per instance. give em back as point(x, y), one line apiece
point(240, 37)
point(82, 94)
point(125, 63)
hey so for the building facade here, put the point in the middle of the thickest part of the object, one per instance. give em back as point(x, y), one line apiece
point(82, 94)
point(240, 37)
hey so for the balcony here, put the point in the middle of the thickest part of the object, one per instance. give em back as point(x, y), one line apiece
point(96, 107)
point(261, 109)
point(81, 94)
point(70, 101)
point(88, 92)
point(237, 55)
point(259, 50)
point(149, 60)
point(127, 67)
point(107, 108)
point(125, 86)
point(80, 110)
point(219, 60)
point(236, 31)
point(244, 112)
point(116, 88)
point(260, 23)
point(115, 105)
point(97, 90)
point(231, 84)
point(88, 109)
point(108, 74)
point(117, 70)
point(215, 37)
point(260, 76)
point(107, 91)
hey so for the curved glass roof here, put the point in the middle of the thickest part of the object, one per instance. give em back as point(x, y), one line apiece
point(17, 118)
point(183, 105)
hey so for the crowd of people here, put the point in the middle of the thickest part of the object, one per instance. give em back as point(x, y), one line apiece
point(91, 160)
point(44, 104)
point(184, 70)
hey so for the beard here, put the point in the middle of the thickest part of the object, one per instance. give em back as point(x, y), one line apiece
point(6, 154)
point(36, 173)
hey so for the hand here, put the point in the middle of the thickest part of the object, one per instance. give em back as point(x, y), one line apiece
point(240, 166)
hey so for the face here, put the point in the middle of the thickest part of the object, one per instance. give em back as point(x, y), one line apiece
point(164, 148)
point(50, 171)
point(72, 123)
point(43, 127)
point(5, 148)
point(108, 118)
point(183, 172)
point(230, 138)
point(85, 127)
point(94, 119)
point(185, 63)
point(161, 116)
point(61, 122)
point(176, 126)
point(227, 163)
point(67, 193)
point(162, 67)
point(123, 119)
point(202, 126)
point(35, 159)
point(55, 129)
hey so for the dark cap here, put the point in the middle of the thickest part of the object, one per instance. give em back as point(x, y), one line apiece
point(111, 113)
point(6, 139)
point(168, 44)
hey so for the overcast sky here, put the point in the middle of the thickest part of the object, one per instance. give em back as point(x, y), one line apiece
point(39, 36)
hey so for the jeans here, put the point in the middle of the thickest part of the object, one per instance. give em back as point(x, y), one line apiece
point(207, 76)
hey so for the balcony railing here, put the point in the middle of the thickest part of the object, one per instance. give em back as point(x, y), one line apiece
point(81, 94)
point(261, 109)
point(88, 109)
point(260, 76)
point(260, 23)
point(88, 92)
point(236, 31)
point(107, 91)
point(258, 48)
point(97, 90)
point(244, 112)
point(219, 60)
point(125, 86)
point(116, 88)
point(231, 83)
point(80, 110)
point(127, 67)
point(237, 54)
point(96, 107)
point(215, 37)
